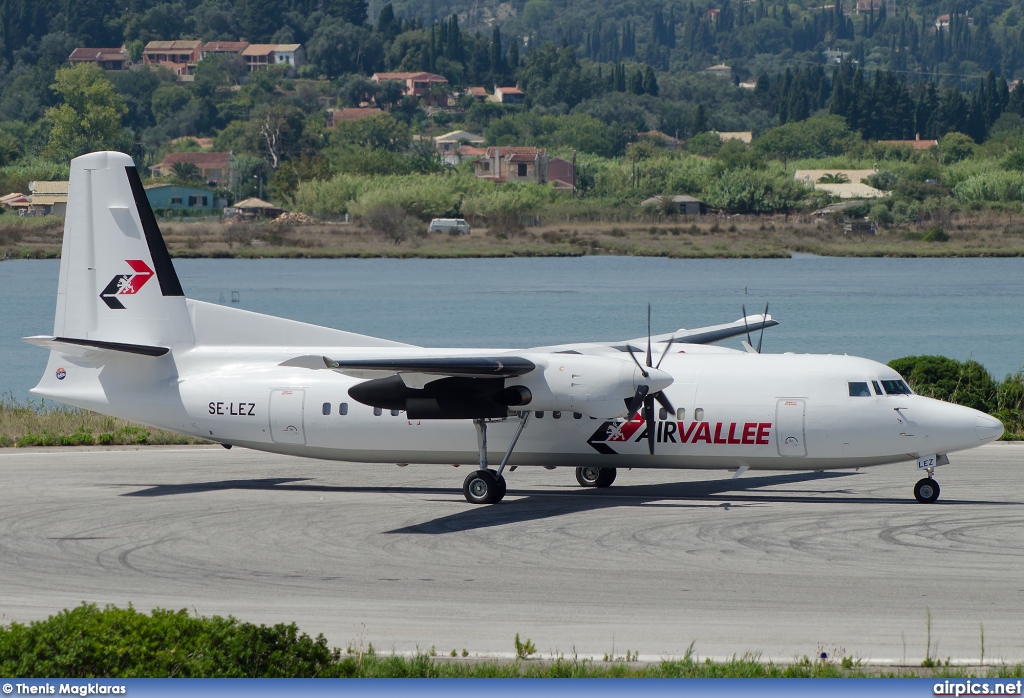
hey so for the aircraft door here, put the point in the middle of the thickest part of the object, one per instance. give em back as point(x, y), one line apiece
point(286, 416)
point(789, 427)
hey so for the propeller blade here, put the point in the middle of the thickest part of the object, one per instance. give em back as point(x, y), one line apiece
point(650, 423)
point(763, 321)
point(662, 398)
point(745, 325)
point(643, 371)
point(668, 345)
point(650, 363)
point(638, 399)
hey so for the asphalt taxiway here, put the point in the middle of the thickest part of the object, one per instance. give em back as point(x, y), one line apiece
point(781, 564)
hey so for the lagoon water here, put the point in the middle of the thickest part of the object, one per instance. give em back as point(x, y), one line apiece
point(878, 308)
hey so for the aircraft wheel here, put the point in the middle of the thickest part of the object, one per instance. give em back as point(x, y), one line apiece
point(591, 476)
point(482, 487)
point(926, 490)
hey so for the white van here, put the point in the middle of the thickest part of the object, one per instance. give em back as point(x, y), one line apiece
point(449, 225)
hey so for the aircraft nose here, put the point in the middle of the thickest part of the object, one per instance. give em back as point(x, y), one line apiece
point(987, 428)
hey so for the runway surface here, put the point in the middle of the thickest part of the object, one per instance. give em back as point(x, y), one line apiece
point(777, 564)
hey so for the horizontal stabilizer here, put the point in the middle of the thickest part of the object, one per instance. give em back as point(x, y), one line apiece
point(70, 346)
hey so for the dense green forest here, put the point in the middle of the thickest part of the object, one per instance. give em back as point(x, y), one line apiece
point(596, 77)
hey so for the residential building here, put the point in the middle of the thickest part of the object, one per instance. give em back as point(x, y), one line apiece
point(720, 71)
point(214, 168)
point(48, 198)
point(942, 21)
point(477, 93)
point(835, 57)
point(259, 56)
point(177, 197)
point(916, 144)
point(336, 116)
point(513, 164)
point(561, 173)
point(105, 58)
point(223, 48)
point(463, 153)
point(508, 95)
point(450, 142)
point(180, 57)
point(712, 15)
point(416, 84)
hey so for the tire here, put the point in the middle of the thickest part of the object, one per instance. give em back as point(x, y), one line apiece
point(926, 490)
point(591, 476)
point(482, 487)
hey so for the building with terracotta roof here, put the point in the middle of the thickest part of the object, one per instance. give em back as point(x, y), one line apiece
point(221, 48)
point(173, 53)
point(259, 56)
point(105, 58)
point(416, 84)
point(508, 95)
point(477, 93)
point(513, 164)
point(214, 168)
point(942, 21)
point(916, 144)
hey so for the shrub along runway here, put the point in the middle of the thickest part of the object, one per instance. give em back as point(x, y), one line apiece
point(778, 564)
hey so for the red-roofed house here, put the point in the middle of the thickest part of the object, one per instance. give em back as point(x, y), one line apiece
point(942, 21)
point(261, 55)
point(106, 58)
point(916, 144)
point(217, 168)
point(173, 54)
point(220, 48)
point(513, 164)
point(416, 84)
point(477, 93)
point(508, 95)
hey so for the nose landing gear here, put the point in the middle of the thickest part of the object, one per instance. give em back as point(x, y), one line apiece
point(926, 490)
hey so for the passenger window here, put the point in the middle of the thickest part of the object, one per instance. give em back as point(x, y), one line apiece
point(577, 415)
point(538, 415)
point(878, 388)
point(343, 409)
point(896, 388)
point(858, 389)
point(394, 413)
point(698, 414)
point(327, 408)
point(681, 414)
point(663, 414)
point(377, 411)
point(556, 415)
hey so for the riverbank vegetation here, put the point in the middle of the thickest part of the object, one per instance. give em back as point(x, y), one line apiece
point(89, 642)
point(965, 383)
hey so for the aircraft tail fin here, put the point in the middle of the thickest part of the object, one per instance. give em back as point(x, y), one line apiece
point(117, 283)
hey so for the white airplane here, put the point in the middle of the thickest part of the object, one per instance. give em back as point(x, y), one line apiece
point(126, 342)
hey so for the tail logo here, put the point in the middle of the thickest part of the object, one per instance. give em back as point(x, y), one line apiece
point(126, 284)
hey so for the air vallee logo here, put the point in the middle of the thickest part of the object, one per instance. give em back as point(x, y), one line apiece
point(126, 284)
point(635, 430)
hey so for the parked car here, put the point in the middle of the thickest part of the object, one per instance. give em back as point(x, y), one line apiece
point(458, 226)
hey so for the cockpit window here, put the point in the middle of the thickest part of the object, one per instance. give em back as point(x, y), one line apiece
point(878, 388)
point(896, 388)
point(859, 390)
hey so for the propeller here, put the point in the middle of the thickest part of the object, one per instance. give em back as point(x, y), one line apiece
point(643, 396)
point(764, 318)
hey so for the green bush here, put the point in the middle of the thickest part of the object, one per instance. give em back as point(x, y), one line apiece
point(993, 186)
point(963, 382)
point(87, 642)
point(754, 191)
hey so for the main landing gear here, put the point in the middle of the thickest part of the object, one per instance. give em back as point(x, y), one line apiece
point(591, 476)
point(485, 486)
point(927, 489)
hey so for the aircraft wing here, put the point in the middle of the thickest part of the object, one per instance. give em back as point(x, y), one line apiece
point(706, 335)
point(460, 366)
